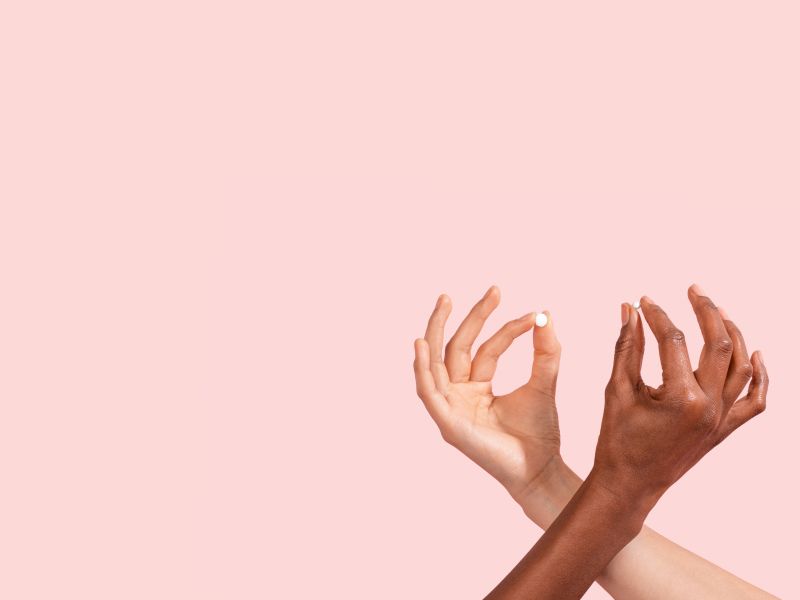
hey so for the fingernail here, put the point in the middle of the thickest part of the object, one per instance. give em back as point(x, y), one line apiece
point(637, 305)
point(625, 315)
point(723, 314)
point(541, 319)
point(698, 290)
point(647, 299)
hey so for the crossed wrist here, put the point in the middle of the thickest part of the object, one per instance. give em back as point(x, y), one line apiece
point(631, 495)
point(544, 497)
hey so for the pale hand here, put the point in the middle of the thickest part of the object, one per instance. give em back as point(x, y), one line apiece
point(514, 437)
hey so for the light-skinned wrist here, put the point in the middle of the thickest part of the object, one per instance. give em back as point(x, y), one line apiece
point(544, 498)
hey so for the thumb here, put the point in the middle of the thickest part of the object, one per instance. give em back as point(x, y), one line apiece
point(546, 354)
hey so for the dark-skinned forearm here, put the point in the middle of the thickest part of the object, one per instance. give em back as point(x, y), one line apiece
point(594, 526)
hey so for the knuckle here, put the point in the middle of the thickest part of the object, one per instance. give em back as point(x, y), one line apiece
point(674, 336)
point(759, 406)
point(705, 419)
point(624, 344)
point(454, 346)
point(546, 346)
point(549, 352)
point(485, 353)
point(507, 332)
point(693, 408)
point(723, 345)
point(700, 412)
point(745, 370)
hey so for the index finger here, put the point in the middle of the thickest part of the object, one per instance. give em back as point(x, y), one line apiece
point(675, 361)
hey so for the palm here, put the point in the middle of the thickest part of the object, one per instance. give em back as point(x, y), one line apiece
point(514, 436)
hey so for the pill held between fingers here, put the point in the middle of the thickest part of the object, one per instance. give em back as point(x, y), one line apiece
point(541, 319)
point(637, 305)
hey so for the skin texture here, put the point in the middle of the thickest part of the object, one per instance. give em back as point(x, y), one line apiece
point(515, 438)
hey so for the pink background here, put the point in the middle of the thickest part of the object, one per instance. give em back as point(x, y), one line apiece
point(223, 224)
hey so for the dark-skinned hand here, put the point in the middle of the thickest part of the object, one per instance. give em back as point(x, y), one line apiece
point(651, 436)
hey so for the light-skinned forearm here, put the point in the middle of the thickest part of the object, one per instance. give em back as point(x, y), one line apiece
point(650, 566)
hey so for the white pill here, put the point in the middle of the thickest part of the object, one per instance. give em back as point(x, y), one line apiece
point(636, 305)
point(541, 319)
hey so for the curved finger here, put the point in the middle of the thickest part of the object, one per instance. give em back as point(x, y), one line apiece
point(484, 364)
point(754, 403)
point(715, 358)
point(629, 349)
point(432, 398)
point(675, 361)
point(740, 370)
point(546, 356)
point(434, 336)
point(457, 353)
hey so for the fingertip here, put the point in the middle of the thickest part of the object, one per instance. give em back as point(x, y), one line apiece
point(636, 321)
point(490, 300)
point(723, 313)
point(544, 336)
point(696, 289)
point(527, 322)
point(647, 305)
point(550, 327)
point(546, 348)
point(444, 300)
point(759, 368)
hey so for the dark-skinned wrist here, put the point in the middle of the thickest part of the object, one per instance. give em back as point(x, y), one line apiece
point(627, 499)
